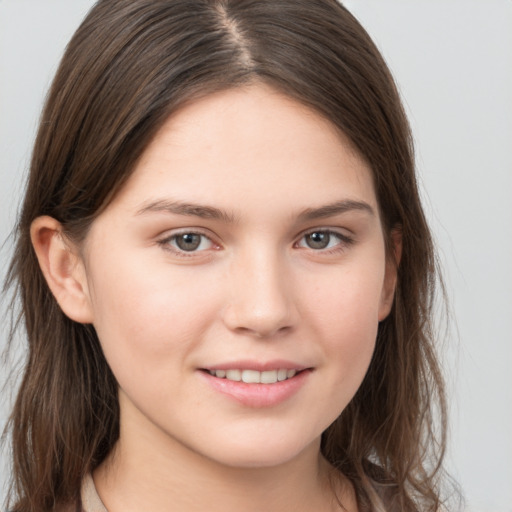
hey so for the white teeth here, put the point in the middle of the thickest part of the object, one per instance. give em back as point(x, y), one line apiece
point(251, 376)
point(268, 377)
point(281, 374)
point(234, 375)
point(254, 376)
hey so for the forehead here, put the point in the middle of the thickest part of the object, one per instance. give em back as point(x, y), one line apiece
point(249, 143)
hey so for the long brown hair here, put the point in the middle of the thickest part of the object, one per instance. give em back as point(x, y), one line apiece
point(129, 66)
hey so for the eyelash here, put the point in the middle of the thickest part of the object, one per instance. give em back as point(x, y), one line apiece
point(344, 241)
point(167, 243)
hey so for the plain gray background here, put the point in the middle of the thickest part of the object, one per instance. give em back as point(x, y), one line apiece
point(453, 62)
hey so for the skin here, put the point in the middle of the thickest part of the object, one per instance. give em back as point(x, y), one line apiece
point(256, 288)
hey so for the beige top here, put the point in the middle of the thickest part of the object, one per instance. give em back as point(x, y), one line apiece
point(90, 500)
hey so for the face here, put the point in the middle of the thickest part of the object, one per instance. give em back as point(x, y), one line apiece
point(236, 282)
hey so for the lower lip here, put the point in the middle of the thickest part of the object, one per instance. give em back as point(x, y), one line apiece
point(258, 395)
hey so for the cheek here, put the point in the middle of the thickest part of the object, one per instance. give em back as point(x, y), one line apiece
point(344, 308)
point(145, 315)
point(347, 298)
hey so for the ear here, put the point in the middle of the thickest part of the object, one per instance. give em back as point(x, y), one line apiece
point(390, 277)
point(62, 268)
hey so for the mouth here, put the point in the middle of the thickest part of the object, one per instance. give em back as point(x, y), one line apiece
point(254, 376)
point(267, 386)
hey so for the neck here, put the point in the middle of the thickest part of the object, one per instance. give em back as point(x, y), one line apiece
point(141, 474)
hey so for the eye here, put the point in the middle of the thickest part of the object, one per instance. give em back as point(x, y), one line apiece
point(188, 242)
point(323, 239)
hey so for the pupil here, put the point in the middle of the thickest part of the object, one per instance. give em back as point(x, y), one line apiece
point(318, 240)
point(188, 241)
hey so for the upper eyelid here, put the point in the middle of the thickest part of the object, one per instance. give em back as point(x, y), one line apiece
point(344, 240)
point(165, 241)
point(342, 232)
point(168, 234)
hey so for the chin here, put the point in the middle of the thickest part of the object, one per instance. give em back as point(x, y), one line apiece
point(263, 453)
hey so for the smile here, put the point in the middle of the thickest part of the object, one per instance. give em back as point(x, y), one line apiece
point(254, 376)
point(257, 388)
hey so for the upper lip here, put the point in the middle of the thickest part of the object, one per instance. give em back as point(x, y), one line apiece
point(259, 366)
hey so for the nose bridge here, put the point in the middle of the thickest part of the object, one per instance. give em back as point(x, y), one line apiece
point(261, 301)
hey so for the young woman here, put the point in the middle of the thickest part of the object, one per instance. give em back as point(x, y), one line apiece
point(225, 273)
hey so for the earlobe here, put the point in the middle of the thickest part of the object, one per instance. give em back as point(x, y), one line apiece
point(62, 268)
point(391, 275)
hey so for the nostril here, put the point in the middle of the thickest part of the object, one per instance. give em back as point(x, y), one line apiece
point(264, 332)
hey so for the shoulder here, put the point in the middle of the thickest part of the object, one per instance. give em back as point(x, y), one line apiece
point(91, 502)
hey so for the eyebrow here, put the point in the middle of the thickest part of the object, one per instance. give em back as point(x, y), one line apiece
point(336, 208)
point(187, 209)
point(210, 212)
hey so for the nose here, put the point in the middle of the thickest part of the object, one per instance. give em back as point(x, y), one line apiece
point(261, 301)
